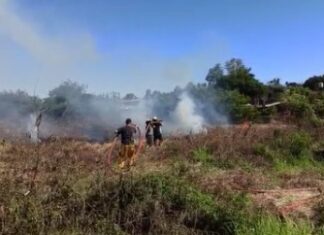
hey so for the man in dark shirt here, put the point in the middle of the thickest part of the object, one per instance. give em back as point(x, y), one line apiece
point(127, 150)
point(157, 131)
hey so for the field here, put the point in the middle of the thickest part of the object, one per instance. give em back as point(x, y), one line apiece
point(259, 179)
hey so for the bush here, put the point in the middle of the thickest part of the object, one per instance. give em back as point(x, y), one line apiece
point(201, 155)
point(140, 204)
point(313, 82)
point(269, 225)
point(287, 149)
point(299, 105)
point(146, 204)
point(236, 105)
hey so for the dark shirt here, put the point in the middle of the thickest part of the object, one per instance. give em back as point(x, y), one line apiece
point(148, 129)
point(157, 128)
point(126, 133)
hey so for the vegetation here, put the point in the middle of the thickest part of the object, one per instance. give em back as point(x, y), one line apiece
point(264, 178)
point(228, 91)
point(203, 186)
point(314, 82)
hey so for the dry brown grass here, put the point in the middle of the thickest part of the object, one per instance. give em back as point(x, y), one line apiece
point(234, 166)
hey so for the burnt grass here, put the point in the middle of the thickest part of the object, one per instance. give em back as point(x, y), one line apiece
point(194, 184)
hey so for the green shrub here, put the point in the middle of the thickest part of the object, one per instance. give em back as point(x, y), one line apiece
point(299, 105)
point(264, 151)
point(236, 106)
point(270, 225)
point(298, 143)
point(202, 155)
point(292, 149)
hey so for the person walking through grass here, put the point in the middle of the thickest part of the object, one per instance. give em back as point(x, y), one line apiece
point(127, 149)
point(157, 131)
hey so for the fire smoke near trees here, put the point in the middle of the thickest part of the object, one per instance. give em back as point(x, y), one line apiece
point(70, 111)
point(186, 116)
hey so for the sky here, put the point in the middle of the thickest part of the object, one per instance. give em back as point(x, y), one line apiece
point(134, 45)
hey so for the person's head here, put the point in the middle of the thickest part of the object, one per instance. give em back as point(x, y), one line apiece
point(128, 121)
point(147, 121)
point(154, 118)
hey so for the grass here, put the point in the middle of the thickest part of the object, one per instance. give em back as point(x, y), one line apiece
point(269, 225)
point(185, 187)
point(143, 204)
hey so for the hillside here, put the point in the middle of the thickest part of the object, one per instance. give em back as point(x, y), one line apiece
point(263, 179)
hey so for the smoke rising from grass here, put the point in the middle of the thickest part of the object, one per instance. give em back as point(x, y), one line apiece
point(32, 128)
point(70, 111)
point(186, 116)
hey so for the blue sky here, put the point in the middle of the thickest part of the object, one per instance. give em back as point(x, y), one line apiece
point(134, 45)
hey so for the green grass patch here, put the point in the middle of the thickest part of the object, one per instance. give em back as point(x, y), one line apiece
point(290, 152)
point(270, 225)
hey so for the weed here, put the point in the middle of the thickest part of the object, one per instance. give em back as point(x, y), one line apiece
point(269, 225)
point(203, 156)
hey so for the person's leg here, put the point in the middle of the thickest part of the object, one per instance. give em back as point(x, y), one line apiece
point(160, 140)
point(131, 155)
point(155, 141)
point(122, 156)
point(149, 140)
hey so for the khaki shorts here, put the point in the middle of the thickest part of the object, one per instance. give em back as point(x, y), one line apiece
point(126, 155)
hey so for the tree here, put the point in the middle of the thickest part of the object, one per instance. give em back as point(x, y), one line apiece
point(313, 83)
point(68, 89)
point(236, 106)
point(55, 106)
point(234, 66)
point(68, 100)
point(274, 82)
point(293, 84)
point(237, 77)
point(19, 101)
point(148, 94)
point(130, 96)
point(274, 90)
point(214, 75)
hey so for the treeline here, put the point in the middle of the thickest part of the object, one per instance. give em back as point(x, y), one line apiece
point(230, 90)
point(233, 91)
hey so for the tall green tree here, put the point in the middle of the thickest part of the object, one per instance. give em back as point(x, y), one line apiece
point(237, 77)
point(214, 74)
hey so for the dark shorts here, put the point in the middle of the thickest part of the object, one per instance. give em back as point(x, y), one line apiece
point(158, 137)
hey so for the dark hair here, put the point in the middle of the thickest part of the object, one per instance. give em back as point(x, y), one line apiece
point(128, 121)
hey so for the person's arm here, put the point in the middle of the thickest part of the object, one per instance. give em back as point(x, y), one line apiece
point(117, 132)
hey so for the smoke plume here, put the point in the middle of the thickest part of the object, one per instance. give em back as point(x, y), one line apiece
point(186, 117)
point(69, 111)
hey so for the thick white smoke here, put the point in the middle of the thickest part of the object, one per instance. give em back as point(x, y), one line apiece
point(32, 129)
point(98, 117)
point(186, 116)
